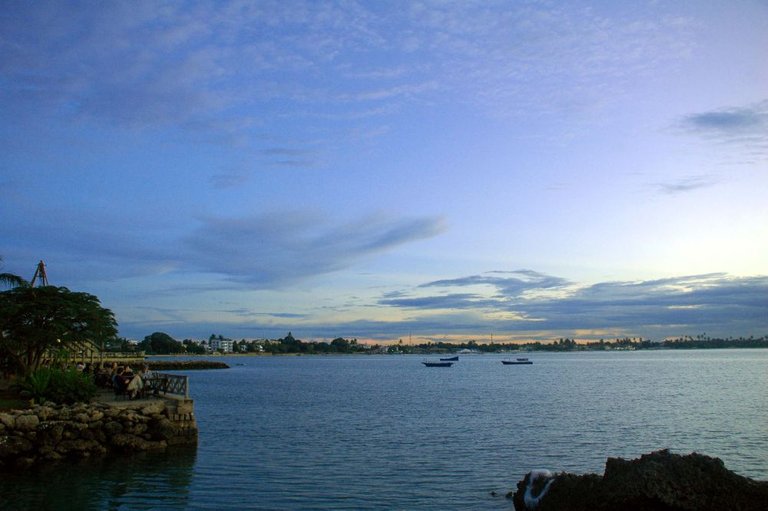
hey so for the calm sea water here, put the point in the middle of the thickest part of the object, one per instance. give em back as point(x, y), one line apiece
point(385, 432)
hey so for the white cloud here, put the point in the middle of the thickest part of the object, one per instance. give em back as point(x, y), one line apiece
point(718, 303)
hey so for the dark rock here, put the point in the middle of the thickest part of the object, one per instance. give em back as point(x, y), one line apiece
point(78, 446)
point(132, 443)
point(659, 481)
point(165, 429)
point(27, 422)
point(184, 365)
point(113, 428)
point(51, 433)
point(14, 446)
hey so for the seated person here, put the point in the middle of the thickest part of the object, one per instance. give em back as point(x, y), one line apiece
point(135, 386)
point(119, 381)
point(102, 376)
point(146, 373)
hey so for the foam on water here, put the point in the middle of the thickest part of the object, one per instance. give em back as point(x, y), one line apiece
point(531, 500)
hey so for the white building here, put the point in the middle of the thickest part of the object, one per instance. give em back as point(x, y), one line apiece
point(224, 345)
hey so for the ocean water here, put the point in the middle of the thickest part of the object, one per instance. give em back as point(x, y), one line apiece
point(387, 433)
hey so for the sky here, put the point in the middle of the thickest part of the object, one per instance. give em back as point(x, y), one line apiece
point(395, 170)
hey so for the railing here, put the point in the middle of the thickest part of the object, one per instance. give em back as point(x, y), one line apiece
point(169, 384)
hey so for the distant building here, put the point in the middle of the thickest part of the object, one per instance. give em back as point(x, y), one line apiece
point(225, 345)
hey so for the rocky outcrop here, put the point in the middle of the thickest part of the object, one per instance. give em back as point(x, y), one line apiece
point(184, 365)
point(43, 434)
point(659, 481)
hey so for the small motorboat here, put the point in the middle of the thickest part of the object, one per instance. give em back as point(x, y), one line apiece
point(518, 361)
point(450, 359)
point(437, 364)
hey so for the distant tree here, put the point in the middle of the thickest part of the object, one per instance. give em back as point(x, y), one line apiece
point(119, 344)
point(193, 347)
point(160, 343)
point(340, 344)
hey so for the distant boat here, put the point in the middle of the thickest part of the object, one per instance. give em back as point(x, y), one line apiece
point(519, 361)
point(437, 364)
point(450, 359)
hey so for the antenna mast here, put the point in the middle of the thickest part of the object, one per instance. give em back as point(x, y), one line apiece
point(40, 273)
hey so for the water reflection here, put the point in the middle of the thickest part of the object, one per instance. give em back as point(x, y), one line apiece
point(141, 481)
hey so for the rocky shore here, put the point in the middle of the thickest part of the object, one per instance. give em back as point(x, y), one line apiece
point(45, 434)
point(184, 365)
point(659, 481)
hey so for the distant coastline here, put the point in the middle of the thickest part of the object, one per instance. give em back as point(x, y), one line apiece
point(291, 346)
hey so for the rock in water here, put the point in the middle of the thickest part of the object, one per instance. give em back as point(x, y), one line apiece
point(659, 481)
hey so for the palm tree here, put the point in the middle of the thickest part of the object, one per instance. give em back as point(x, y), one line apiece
point(11, 280)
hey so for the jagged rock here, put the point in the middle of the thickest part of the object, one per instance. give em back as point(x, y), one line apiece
point(44, 412)
point(8, 420)
point(134, 443)
point(165, 429)
point(154, 408)
point(113, 428)
point(659, 481)
point(48, 432)
point(51, 433)
point(13, 446)
point(78, 446)
point(27, 422)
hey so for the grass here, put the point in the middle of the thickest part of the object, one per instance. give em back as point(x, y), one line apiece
point(9, 399)
point(12, 403)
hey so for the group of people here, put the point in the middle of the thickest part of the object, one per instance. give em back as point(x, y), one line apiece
point(122, 379)
point(125, 381)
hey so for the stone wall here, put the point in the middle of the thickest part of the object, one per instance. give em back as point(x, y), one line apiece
point(43, 434)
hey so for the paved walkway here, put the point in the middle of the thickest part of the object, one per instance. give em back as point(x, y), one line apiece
point(108, 396)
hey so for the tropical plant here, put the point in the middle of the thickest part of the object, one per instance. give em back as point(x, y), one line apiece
point(36, 322)
point(61, 386)
point(11, 280)
point(36, 384)
point(70, 386)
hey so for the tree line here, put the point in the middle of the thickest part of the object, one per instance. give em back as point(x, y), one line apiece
point(160, 343)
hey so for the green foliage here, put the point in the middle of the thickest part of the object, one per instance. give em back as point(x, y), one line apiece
point(71, 386)
point(340, 344)
point(193, 347)
point(11, 280)
point(160, 343)
point(59, 386)
point(36, 384)
point(36, 321)
point(118, 344)
point(289, 344)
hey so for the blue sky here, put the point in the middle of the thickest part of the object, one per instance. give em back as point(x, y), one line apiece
point(392, 170)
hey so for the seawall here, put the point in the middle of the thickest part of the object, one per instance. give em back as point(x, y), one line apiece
point(50, 433)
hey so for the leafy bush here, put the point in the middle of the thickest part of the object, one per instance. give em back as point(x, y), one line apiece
point(36, 384)
point(59, 386)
